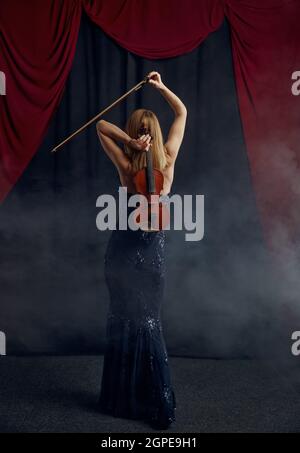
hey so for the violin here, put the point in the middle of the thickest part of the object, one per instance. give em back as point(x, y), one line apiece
point(149, 181)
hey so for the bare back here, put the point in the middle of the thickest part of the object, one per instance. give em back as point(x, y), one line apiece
point(126, 178)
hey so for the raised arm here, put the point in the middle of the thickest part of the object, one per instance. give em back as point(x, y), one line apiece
point(176, 132)
point(109, 135)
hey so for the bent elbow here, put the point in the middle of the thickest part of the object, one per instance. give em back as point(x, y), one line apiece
point(182, 111)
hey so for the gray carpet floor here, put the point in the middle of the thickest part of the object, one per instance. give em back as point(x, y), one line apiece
point(58, 394)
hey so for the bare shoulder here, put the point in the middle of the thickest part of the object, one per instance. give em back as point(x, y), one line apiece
point(170, 161)
point(114, 152)
point(168, 171)
point(176, 134)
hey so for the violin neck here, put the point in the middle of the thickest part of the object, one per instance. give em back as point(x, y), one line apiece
point(150, 173)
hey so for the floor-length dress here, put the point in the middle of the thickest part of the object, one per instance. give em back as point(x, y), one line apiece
point(136, 382)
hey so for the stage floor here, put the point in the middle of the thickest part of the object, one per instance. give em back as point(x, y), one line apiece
point(58, 394)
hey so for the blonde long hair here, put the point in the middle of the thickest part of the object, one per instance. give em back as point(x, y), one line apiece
point(146, 119)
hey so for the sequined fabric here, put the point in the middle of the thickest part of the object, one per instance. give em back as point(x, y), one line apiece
point(136, 381)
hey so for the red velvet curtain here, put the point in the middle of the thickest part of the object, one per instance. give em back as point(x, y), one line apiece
point(266, 51)
point(156, 28)
point(37, 44)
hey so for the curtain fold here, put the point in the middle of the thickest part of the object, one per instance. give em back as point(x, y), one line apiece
point(37, 45)
point(266, 51)
point(156, 29)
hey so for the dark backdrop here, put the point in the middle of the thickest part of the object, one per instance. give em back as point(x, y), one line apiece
point(53, 294)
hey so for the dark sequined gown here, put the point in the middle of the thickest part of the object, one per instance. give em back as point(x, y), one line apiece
point(136, 381)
